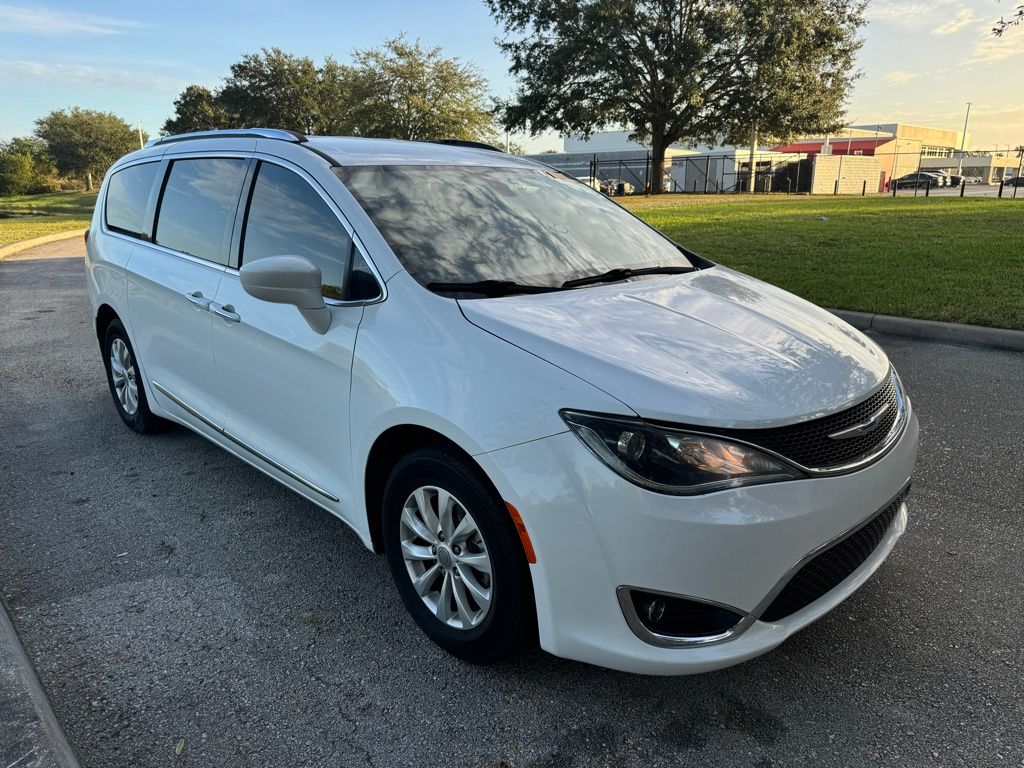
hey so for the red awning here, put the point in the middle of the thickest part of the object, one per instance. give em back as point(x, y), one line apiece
point(839, 146)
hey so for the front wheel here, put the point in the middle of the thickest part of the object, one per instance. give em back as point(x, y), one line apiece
point(456, 558)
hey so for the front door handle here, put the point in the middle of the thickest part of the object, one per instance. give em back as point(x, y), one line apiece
point(197, 298)
point(225, 312)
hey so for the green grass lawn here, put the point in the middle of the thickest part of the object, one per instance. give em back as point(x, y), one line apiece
point(26, 216)
point(951, 259)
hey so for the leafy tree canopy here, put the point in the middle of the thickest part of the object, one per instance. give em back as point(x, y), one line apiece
point(400, 90)
point(680, 70)
point(83, 143)
point(405, 91)
point(196, 109)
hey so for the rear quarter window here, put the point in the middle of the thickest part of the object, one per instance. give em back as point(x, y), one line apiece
point(128, 198)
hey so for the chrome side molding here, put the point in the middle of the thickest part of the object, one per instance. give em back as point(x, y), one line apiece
point(241, 443)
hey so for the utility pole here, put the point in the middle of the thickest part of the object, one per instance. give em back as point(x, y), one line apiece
point(138, 127)
point(751, 180)
point(963, 141)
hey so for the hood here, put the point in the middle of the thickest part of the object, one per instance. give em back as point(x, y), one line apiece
point(713, 347)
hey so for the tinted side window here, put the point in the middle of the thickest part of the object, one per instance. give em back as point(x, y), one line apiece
point(197, 209)
point(288, 218)
point(128, 197)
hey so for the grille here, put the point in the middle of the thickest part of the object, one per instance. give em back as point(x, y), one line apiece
point(826, 570)
point(809, 444)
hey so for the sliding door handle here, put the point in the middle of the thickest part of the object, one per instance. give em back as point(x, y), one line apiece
point(226, 312)
point(197, 298)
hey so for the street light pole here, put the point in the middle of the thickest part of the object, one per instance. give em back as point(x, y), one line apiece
point(963, 141)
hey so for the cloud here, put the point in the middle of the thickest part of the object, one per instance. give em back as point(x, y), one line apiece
point(990, 49)
point(899, 10)
point(898, 77)
point(909, 13)
point(962, 19)
point(35, 20)
point(82, 74)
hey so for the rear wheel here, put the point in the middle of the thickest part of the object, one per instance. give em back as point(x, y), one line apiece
point(456, 558)
point(125, 381)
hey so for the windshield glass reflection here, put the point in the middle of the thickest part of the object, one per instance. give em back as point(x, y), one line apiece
point(460, 224)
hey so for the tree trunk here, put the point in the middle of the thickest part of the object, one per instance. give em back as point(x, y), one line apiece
point(88, 182)
point(656, 175)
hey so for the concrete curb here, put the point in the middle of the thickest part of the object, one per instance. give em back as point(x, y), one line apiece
point(37, 739)
point(24, 245)
point(931, 330)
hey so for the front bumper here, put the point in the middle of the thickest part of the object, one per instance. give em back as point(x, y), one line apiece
point(594, 532)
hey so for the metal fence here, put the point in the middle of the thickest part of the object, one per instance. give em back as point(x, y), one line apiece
point(844, 170)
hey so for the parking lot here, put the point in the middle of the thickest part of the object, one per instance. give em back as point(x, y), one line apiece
point(970, 190)
point(171, 596)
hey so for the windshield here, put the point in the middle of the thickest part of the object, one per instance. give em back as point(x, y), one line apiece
point(450, 224)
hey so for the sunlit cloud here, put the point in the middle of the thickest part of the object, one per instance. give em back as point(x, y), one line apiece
point(990, 49)
point(899, 77)
point(915, 13)
point(36, 20)
point(85, 75)
point(961, 19)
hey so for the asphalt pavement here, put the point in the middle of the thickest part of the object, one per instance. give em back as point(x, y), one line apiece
point(180, 608)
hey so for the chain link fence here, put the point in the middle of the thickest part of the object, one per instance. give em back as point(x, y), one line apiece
point(842, 170)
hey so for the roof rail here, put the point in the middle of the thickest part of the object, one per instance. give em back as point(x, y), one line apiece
point(461, 143)
point(232, 133)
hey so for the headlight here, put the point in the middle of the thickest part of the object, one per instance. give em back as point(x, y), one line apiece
point(674, 461)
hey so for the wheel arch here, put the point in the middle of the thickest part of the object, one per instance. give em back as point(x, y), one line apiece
point(105, 314)
point(390, 447)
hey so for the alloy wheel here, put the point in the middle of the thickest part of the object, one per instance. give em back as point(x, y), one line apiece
point(446, 557)
point(122, 372)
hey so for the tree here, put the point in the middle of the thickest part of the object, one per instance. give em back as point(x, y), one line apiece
point(25, 167)
point(269, 89)
point(83, 143)
point(399, 90)
point(273, 89)
point(197, 109)
point(404, 91)
point(680, 70)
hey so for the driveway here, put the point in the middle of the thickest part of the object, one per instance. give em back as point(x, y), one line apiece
point(166, 591)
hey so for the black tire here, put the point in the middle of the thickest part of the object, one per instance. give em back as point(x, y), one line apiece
point(510, 621)
point(142, 419)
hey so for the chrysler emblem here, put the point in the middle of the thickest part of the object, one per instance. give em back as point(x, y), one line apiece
point(864, 428)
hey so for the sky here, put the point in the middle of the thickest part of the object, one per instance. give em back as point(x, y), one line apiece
point(922, 60)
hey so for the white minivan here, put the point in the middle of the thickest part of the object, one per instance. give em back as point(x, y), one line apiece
point(557, 424)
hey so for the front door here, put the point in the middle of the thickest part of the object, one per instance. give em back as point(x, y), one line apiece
point(285, 386)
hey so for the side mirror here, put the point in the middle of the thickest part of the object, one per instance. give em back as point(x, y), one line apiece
point(291, 280)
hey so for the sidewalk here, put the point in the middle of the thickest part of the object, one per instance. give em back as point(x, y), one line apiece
point(30, 735)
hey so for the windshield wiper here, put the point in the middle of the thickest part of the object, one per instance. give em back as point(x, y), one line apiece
point(621, 273)
point(491, 288)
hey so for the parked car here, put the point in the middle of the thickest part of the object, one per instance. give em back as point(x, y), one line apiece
point(1014, 181)
point(920, 179)
point(591, 181)
point(946, 178)
point(617, 187)
point(557, 425)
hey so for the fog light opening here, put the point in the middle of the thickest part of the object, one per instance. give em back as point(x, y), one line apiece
point(681, 617)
